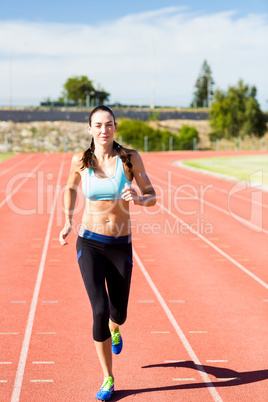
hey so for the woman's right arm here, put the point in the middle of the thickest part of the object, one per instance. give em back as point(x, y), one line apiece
point(70, 194)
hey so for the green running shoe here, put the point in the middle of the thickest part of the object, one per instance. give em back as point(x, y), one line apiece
point(106, 390)
point(117, 342)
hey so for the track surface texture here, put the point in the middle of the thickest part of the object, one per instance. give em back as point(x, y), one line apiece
point(197, 325)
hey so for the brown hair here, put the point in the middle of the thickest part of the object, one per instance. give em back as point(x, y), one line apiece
point(88, 155)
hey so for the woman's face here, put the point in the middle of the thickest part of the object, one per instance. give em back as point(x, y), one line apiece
point(102, 128)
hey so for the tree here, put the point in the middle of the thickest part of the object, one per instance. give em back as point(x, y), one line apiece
point(203, 93)
point(237, 113)
point(79, 89)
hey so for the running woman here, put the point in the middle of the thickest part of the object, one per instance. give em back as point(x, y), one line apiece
point(104, 248)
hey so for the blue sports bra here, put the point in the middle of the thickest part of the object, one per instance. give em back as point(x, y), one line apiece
point(109, 188)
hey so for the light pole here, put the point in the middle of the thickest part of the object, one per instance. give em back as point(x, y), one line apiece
point(87, 99)
point(209, 91)
point(153, 74)
point(92, 93)
point(152, 42)
point(10, 78)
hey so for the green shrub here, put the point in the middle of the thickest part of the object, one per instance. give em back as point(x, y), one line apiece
point(133, 133)
point(186, 137)
point(213, 136)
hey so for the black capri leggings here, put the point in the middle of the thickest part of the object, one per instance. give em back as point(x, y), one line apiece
point(105, 260)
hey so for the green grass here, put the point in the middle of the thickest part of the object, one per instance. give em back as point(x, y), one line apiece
point(241, 167)
point(3, 157)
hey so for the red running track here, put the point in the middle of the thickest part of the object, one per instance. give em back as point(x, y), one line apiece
point(197, 323)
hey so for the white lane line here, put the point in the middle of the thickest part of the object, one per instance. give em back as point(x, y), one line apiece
point(202, 201)
point(198, 332)
point(183, 379)
point(18, 301)
point(229, 379)
point(9, 333)
point(17, 164)
point(41, 380)
point(265, 300)
point(46, 333)
point(146, 301)
point(174, 361)
point(28, 176)
point(2, 381)
point(179, 332)
point(43, 362)
point(160, 332)
point(176, 301)
point(217, 361)
point(5, 362)
point(29, 327)
point(50, 301)
point(215, 247)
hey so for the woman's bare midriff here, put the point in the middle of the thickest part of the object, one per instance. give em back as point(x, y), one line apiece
point(108, 217)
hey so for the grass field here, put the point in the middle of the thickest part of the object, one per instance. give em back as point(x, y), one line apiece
point(3, 157)
point(241, 167)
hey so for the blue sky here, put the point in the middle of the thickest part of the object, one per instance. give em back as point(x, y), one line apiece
point(94, 12)
point(141, 52)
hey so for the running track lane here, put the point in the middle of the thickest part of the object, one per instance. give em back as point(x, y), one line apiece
point(161, 365)
point(214, 204)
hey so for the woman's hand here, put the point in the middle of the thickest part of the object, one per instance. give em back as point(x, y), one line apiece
point(129, 194)
point(63, 234)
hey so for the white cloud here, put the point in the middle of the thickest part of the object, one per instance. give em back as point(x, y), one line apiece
point(164, 48)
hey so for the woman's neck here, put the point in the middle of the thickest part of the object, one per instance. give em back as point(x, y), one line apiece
point(104, 153)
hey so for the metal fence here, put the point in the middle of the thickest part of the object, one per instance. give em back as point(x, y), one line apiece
point(40, 143)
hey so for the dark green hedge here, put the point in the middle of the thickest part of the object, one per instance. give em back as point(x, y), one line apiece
point(133, 133)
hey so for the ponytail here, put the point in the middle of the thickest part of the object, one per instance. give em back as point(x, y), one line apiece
point(124, 156)
point(88, 155)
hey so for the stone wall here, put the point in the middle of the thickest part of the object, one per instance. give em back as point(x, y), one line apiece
point(46, 136)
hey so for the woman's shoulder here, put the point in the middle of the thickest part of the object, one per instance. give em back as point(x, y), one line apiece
point(135, 159)
point(77, 160)
point(133, 153)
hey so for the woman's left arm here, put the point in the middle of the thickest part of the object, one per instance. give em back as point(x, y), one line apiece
point(148, 196)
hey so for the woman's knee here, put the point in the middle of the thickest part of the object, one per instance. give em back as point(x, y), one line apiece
point(118, 317)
